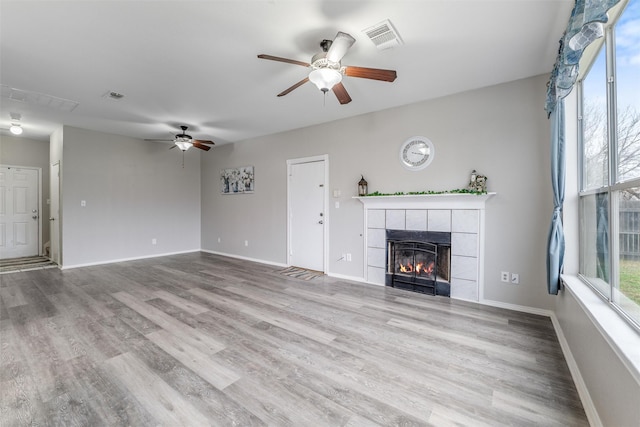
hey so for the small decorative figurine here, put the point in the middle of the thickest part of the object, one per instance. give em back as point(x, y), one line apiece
point(477, 182)
point(362, 187)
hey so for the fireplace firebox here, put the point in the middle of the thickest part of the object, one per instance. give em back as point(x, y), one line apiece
point(419, 261)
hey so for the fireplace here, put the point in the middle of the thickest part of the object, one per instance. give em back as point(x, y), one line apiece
point(419, 261)
point(462, 215)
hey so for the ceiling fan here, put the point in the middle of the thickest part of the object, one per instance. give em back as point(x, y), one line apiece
point(327, 71)
point(184, 141)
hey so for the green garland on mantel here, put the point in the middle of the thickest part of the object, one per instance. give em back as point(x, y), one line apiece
point(422, 193)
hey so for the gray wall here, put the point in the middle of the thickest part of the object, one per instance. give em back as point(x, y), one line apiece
point(501, 131)
point(134, 191)
point(20, 151)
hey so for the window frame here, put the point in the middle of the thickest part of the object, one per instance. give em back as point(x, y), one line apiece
point(613, 186)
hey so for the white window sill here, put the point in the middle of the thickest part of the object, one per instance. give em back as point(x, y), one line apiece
point(622, 337)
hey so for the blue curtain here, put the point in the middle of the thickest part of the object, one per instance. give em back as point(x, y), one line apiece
point(602, 236)
point(555, 258)
point(586, 24)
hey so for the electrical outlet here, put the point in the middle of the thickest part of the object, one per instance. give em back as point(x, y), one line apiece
point(154, 241)
point(348, 257)
point(246, 243)
point(504, 276)
point(515, 278)
point(219, 240)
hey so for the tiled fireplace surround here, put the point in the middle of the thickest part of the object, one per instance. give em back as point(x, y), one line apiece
point(460, 214)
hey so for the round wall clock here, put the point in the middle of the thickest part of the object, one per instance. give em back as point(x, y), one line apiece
point(416, 153)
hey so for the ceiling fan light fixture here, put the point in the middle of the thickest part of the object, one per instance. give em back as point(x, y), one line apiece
point(184, 145)
point(15, 129)
point(325, 78)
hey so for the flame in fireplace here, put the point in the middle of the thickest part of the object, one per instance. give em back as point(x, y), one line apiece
point(419, 269)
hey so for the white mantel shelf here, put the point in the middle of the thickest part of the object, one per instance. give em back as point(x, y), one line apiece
point(422, 201)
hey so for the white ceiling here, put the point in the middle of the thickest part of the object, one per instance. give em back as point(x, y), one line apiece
point(194, 62)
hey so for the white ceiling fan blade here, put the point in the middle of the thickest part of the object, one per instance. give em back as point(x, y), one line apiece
point(340, 46)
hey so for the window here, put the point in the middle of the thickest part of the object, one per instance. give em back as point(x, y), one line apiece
point(594, 124)
point(609, 121)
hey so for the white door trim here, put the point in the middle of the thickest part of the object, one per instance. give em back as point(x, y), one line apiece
point(40, 243)
point(324, 158)
point(57, 222)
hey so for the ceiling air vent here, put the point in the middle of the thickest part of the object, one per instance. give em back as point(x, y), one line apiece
point(383, 35)
point(113, 95)
point(36, 98)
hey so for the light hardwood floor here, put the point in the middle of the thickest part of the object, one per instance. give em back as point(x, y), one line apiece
point(199, 339)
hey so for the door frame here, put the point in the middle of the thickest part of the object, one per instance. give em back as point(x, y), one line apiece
point(40, 243)
point(57, 222)
point(325, 238)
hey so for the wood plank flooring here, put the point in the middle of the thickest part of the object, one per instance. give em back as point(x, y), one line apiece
point(199, 339)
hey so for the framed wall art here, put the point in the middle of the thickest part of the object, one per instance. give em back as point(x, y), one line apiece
point(237, 180)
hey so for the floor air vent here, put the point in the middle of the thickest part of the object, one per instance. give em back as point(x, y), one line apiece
point(383, 35)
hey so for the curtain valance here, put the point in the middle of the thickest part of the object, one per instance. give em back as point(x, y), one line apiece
point(586, 24)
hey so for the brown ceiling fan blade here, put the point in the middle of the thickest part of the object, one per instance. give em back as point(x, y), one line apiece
point(371, 73)
point(341, 93)
point(295, 86)
point(288, 61)
point(201, 146)
point(204, 141)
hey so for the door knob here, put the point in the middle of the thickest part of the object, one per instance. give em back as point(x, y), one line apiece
point(51, 219)
point(35, 217)
point(320, 222)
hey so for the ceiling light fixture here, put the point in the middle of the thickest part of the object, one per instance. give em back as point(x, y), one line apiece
point(325, 78)
point(183, 143)
point(325, 74)
point(15, 129)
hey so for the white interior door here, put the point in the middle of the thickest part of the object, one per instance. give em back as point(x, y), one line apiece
point(307, 219)
point(19, 236)
point(54, 209)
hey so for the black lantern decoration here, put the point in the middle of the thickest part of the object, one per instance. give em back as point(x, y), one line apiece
point(362, 187)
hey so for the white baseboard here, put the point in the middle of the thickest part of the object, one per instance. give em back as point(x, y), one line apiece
point(516, 307)
point(259, 261)
point(113, 261)
point(350, 278)
point(278, 264)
